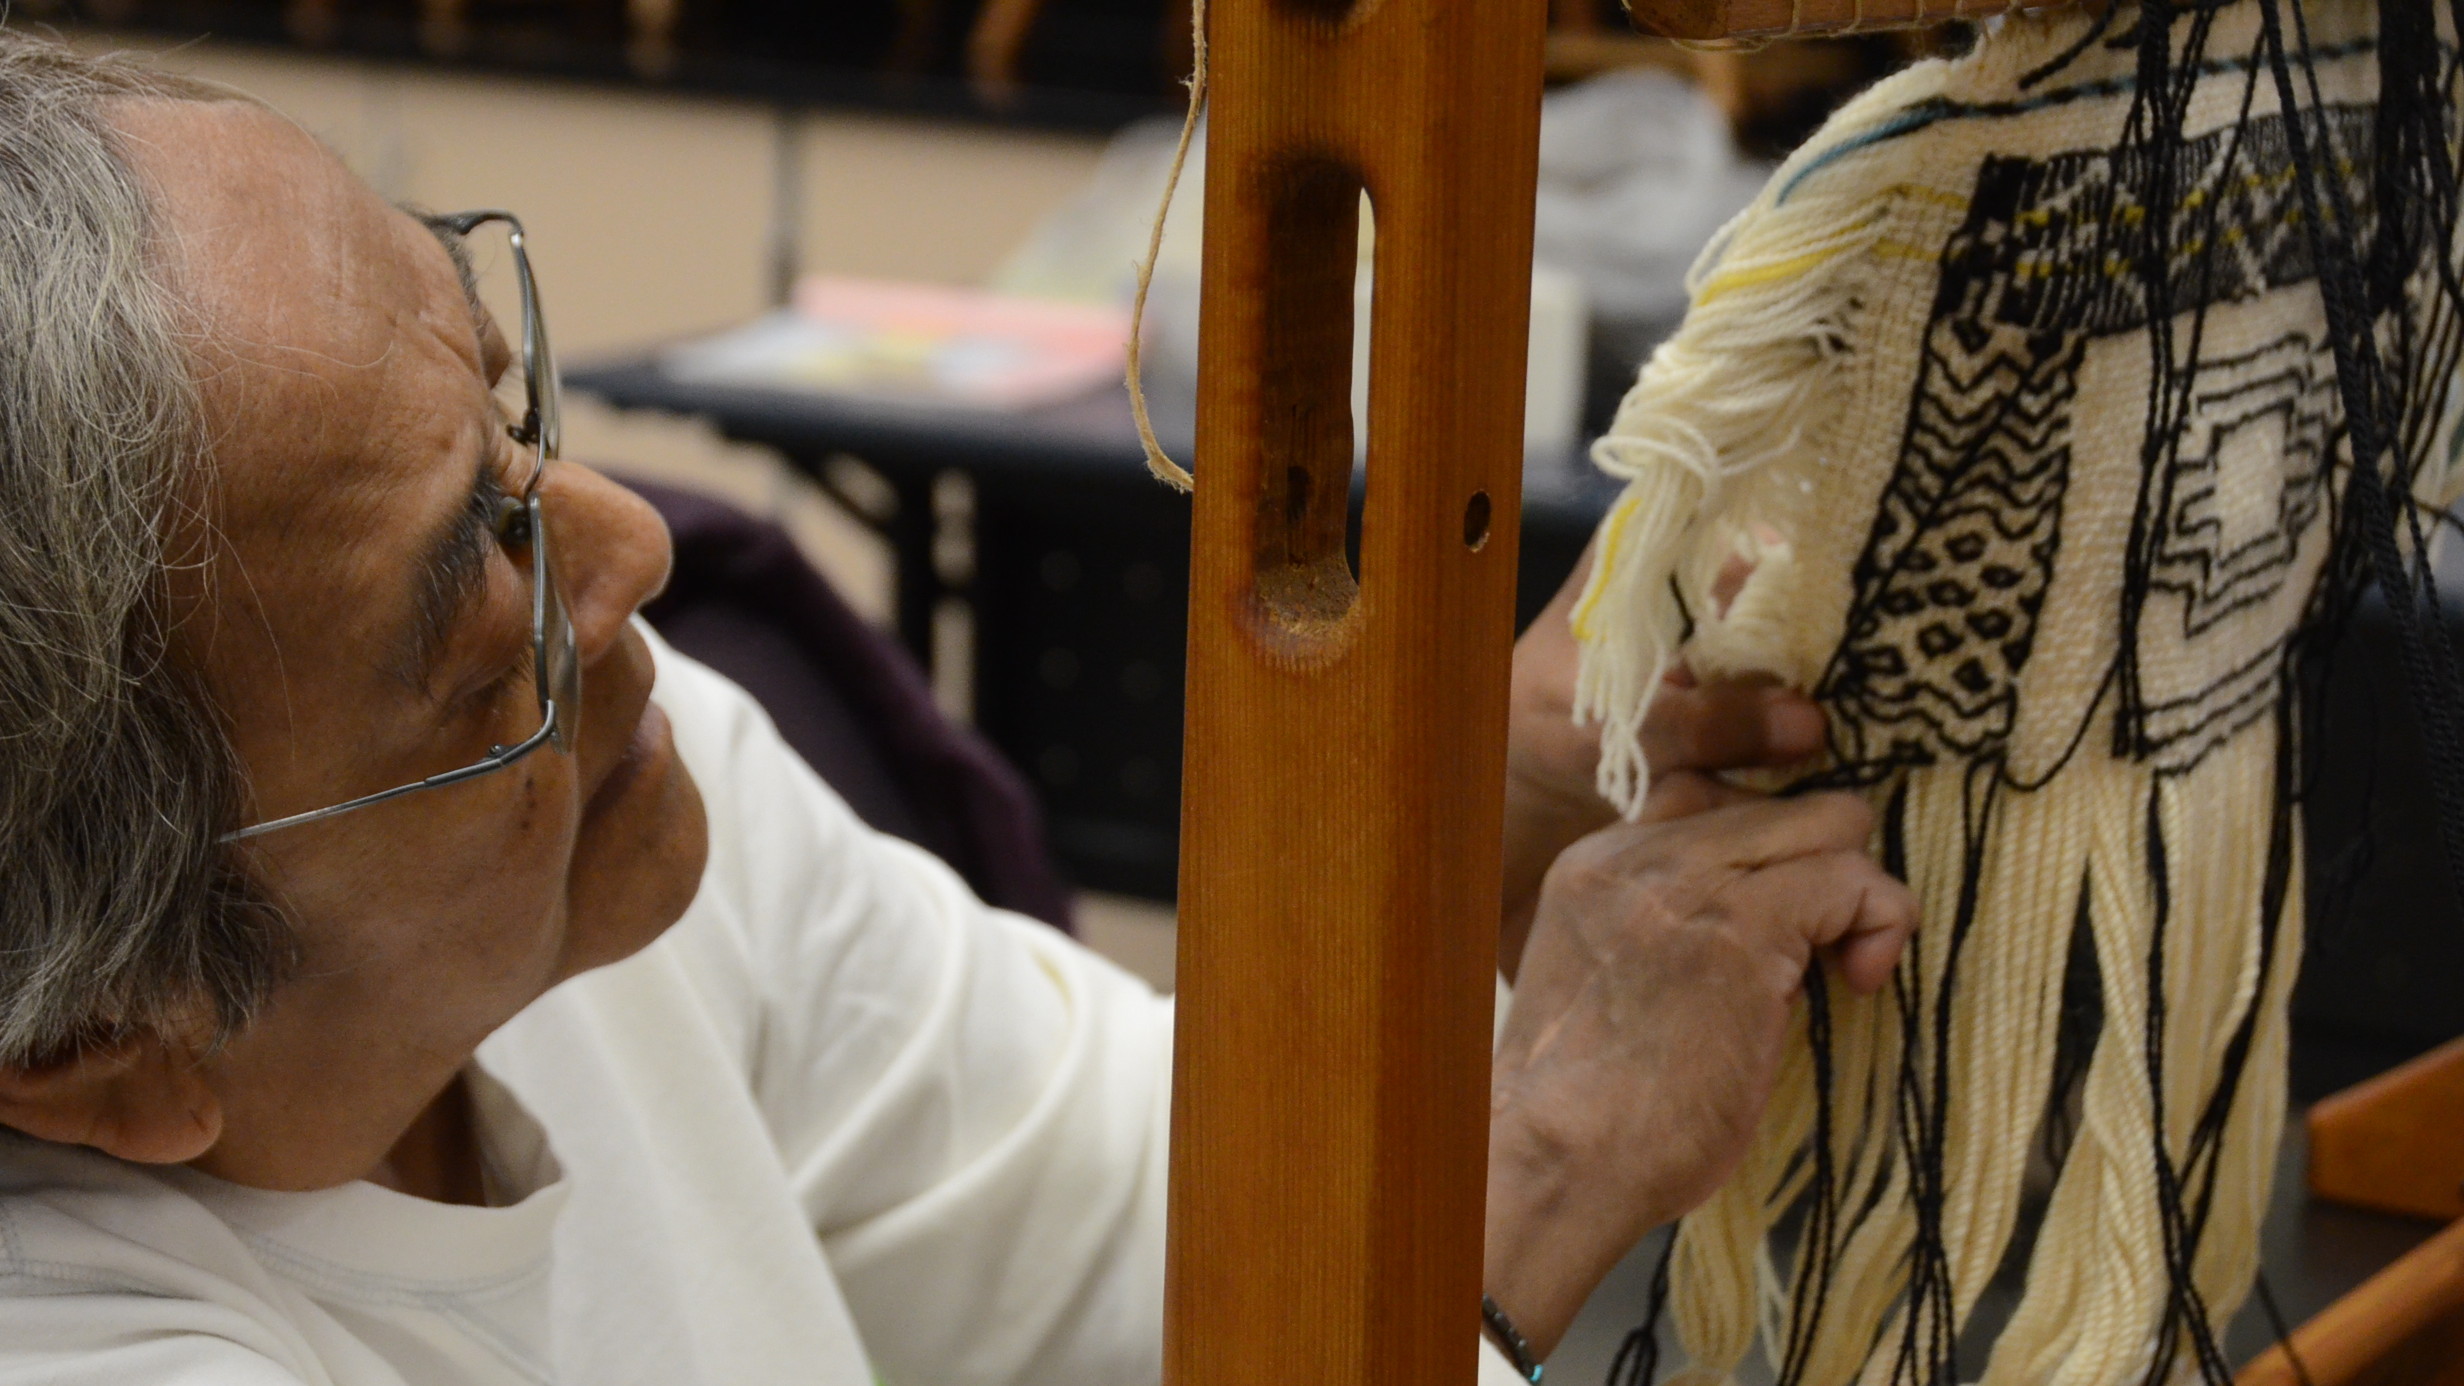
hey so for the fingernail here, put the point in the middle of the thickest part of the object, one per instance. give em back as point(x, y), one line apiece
point(1797, 726)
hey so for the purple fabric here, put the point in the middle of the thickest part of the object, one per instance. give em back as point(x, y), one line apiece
point(744, 601)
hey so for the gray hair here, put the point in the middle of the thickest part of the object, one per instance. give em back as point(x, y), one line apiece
point(119, 911)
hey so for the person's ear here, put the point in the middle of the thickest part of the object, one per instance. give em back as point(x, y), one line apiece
point(140, 1097)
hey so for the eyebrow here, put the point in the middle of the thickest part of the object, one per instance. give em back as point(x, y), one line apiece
point(451, 572)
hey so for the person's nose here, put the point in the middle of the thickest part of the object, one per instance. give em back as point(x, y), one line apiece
point(611, 553)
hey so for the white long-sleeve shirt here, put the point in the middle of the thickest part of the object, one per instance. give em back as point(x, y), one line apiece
point(842, 1123)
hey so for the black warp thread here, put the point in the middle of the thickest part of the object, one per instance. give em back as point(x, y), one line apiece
point(1929, 1336)
point(1810, 1287)
point(1638, 1358)
point(2155, 126)
point(2394, 356)
point(2284, 1334)
point(2364, 289)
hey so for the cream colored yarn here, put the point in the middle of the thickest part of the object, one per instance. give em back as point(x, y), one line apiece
point(2049, 755)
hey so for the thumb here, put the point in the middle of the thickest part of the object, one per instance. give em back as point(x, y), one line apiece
point(1838, 900)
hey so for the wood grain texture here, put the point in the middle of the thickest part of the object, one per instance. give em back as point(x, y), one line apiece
point(2402, 1327)
point(2396, 1142)
point(1345, 740)
point(1724, 19)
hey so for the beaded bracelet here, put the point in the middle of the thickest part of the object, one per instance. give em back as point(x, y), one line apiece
point(1510, 1341)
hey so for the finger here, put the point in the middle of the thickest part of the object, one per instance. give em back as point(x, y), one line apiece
point(1758, 831)
point(1867, 960)
point(1740, 567)
point(1838, 900)
point(1685, 793)
point(1729, 724)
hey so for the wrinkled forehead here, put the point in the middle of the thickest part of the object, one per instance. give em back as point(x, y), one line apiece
point(306, 286)
point(338, 367)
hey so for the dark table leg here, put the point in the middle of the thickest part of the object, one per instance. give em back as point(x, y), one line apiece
point(911, 531)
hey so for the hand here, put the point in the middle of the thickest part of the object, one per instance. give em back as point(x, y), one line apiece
point(1648, 1027)
point(1551, 763)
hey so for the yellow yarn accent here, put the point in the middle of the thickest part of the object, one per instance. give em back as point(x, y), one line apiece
point(1766, 274)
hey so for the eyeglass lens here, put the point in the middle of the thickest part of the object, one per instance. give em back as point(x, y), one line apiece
point(558, 663)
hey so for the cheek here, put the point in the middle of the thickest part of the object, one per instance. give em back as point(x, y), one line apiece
point(514, 901)
point(458, 894)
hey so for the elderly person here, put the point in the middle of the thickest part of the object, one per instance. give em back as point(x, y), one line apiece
point(411, 971)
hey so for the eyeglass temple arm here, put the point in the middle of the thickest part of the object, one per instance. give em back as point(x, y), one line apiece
point(497, 760)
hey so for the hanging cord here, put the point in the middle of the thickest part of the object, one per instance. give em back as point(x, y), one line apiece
point(2154, 131)
point(2186, 1317)
point(1158, 462)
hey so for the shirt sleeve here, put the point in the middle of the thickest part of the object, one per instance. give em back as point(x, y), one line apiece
point(185, 1359)
point(970, 1107)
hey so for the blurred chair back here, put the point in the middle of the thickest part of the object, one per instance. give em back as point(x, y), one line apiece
point(744, 601)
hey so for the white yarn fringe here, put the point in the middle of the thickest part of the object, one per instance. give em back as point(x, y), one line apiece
point(1741, 384)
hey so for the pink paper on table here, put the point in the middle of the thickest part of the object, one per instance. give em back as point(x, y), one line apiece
point(957, 345)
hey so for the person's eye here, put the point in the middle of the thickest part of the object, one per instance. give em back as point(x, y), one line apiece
point(511, 523)
point(483, 702)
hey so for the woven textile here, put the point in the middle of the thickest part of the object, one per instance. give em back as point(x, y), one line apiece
point(2019, 393)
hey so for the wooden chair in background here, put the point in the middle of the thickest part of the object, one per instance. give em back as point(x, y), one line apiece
point(2394, 1144)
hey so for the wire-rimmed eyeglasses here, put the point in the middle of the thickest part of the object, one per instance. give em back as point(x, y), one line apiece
point(519, 526)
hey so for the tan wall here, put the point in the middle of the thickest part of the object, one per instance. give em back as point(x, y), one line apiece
point(652, 212)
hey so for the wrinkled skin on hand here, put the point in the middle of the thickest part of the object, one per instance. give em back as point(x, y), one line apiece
point(1650, 1017)
point(1551, 762)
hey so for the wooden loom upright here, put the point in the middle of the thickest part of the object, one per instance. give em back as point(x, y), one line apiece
point(1345, 738)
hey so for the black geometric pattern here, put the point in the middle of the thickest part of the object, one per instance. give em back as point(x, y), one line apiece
point(1951, 581)
point(1962, 549)
point(2269, 413)
point(2247, 487)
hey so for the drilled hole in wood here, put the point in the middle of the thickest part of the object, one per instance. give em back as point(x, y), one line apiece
point(1476, 521)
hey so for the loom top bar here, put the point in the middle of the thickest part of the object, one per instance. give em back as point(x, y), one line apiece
point(1752, 19)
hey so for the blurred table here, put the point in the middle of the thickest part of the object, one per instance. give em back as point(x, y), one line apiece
point(1071, 565)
